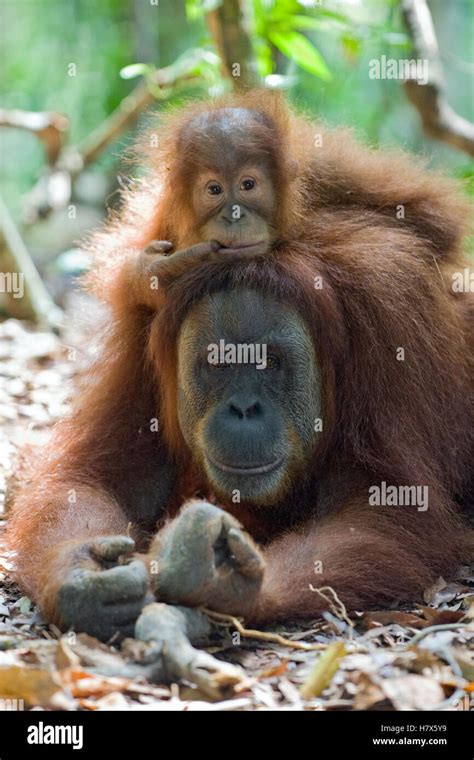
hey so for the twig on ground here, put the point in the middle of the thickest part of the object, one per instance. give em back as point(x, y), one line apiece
point(251, 633)
point(335, 605)
point(435, 628)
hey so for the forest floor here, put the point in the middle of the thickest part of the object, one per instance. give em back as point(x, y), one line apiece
point(420, 658)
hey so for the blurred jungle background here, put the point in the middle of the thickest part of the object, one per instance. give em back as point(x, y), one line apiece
point(79, 78)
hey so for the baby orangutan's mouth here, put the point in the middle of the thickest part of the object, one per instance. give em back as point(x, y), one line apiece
point(246, 249)
point(260, 469)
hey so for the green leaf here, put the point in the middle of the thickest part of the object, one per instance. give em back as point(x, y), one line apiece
point(352, 45)
point(259, 10)
point(135, 70)
point(334, 15)
point(311, 22)
point(323, 671)
point(263, 54)
point(197, 8)
point(300, 50)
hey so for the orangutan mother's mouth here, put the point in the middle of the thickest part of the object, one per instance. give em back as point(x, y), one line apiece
point(260, 469)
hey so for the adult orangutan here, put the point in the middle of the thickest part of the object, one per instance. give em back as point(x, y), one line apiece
point(364, 386)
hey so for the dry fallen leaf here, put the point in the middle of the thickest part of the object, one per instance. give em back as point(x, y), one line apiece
point(113, 701)
point(388, 617)
point(413, 692)
point(465, 660)
point(23, 604)
point(278, 670)
point(36, 686)
point(367, 693)
point(441, 617)
point(442, 593)
point(64, 656)
point(93, 685)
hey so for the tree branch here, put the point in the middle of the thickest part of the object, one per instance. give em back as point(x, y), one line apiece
point(50, 127)
point(233, 44)
point(439, 120)
point(34, 302)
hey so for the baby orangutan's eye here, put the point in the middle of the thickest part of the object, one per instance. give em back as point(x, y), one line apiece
point(214, 188)
point(248, 184)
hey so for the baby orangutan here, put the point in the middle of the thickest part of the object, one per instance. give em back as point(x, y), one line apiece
point(229, 187)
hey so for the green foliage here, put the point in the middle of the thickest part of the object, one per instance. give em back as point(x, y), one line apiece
point(277, 23)
point(301, 51)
